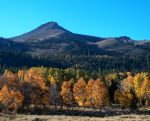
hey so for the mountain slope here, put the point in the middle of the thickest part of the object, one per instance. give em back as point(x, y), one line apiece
point(43, 32)
point(51, 38)
point(51, 30)
point(9, 45)
point(52, 45)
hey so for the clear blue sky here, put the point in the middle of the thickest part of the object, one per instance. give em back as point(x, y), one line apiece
point(104, 18)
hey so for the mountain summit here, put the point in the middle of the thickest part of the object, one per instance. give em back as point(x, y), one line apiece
point(52, 31)
point(51, 38)
point(43, 32)
point(49, 26)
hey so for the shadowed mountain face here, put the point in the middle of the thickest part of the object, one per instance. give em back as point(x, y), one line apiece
point(51, 30)
point(50, 38)
point(43, 32)
point(54, 46)
point(9, 45)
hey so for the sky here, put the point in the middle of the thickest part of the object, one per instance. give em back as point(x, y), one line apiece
point(102, 18)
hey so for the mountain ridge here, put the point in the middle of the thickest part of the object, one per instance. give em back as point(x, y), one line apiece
point(54, 46)
point(52, 25)
point(51, 38)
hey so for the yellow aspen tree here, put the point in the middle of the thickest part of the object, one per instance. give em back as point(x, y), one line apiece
point(123, 98)
point(17, 99)
point(52, 80)
point(53, 90)
point(89, 97)
point(124, 95)
point(10, 76)
point(10, 99)
point(79, 92)
point(66, 93)
point(110, 77)
point(5, 97)
point(100, 94)
point(35, 77)
point(145, 90)
point(138, 82)
point(21, 74)
point(128, 83)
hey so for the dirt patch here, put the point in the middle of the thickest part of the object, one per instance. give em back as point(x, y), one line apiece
point(73, 118)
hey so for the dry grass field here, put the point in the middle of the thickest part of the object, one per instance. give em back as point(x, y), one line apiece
point(73, 118)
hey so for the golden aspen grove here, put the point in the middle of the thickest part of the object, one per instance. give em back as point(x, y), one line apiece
point(41, 88)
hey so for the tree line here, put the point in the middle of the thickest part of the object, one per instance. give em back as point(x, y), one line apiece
point(17, 60)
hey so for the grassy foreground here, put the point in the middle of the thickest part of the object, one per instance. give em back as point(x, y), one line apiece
point(73, 118)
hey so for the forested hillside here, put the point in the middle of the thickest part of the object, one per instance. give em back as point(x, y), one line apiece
point(17, 60)
point(51, 45)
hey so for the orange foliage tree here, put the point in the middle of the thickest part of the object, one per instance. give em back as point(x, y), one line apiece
point(10, 99)
point(138, 82)
point(100, 94)
point(124, 95)
point(10, 76)
point(66, 93)
point(123, 98)
point(21, 74)
point(79, 92)
point(145, 90)
point(89, 90)
point(128, 83)
point(35, 76)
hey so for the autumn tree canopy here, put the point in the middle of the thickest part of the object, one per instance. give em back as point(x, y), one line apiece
point(100, 94)
point(79, 92)
point(38, 87)
point(10, 99)
point(66, 93)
